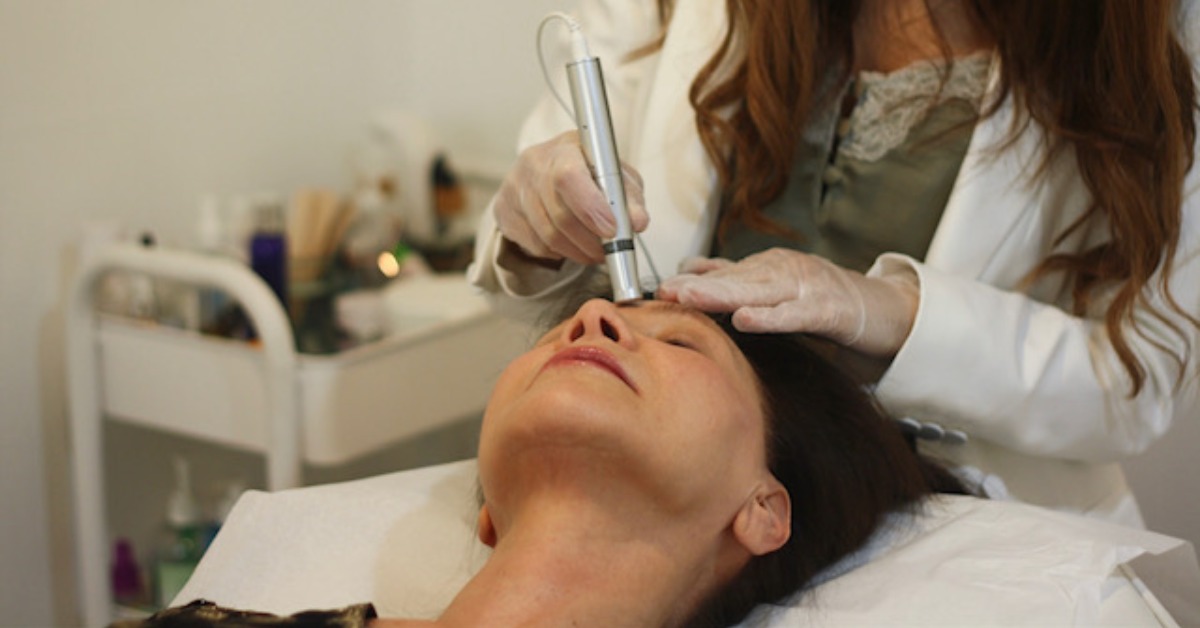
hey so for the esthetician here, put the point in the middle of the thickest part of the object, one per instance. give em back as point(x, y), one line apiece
point(991, 199)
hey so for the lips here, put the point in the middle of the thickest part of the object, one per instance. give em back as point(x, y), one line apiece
point(592, 356)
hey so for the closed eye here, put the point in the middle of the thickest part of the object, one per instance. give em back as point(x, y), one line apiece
point(680, 342)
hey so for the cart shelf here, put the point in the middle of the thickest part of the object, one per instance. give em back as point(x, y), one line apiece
point(262, 397)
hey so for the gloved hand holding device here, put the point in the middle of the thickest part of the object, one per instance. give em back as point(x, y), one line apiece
point(550, 207)
point(781, 290)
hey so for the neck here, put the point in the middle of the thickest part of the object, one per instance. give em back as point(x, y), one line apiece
point(564, 563)
point(892, 34)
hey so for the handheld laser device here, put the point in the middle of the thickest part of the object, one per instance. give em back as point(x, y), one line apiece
point(600, 148)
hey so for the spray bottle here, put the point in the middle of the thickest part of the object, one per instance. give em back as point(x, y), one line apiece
point(181, 553)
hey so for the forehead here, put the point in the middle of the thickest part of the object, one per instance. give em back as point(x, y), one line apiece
point(672, 308)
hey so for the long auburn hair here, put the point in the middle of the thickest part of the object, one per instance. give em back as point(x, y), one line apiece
point(1108, 80)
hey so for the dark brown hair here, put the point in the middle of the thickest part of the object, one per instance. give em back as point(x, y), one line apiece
point(1108, 80)
point(844, 463)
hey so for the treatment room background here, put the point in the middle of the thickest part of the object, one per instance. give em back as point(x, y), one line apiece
point(130, 110)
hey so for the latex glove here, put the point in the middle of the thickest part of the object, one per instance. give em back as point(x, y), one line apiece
point(550, 207)
point(781, 290)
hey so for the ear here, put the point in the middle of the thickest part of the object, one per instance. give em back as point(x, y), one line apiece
point(764, 522)
point(484, 528)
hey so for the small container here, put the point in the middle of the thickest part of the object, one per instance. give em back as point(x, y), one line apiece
point(361, 315)
point(268, 248)
point(126, 575)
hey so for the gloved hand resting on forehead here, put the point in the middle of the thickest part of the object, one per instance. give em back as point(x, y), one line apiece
point(781, 290)
point(550, 207)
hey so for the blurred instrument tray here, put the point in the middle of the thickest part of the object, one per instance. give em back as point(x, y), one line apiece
point(264, 396)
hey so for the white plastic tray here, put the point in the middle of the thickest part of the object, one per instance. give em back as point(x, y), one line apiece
point(350, 404)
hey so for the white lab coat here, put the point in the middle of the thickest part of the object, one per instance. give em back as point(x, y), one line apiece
point(1039, 392)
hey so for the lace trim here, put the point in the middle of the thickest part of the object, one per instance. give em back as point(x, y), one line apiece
point(890, 105)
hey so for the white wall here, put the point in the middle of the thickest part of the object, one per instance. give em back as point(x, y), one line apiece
point(128, 110)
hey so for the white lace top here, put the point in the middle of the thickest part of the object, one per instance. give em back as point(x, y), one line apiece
point(889, 105)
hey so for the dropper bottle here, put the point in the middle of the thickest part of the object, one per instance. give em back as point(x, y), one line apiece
point(178, 559)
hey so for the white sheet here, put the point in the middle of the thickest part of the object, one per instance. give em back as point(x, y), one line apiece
point(405, 541)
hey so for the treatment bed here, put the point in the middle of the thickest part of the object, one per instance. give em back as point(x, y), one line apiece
point(405, 542)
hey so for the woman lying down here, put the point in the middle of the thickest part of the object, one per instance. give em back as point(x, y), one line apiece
point(647, 465)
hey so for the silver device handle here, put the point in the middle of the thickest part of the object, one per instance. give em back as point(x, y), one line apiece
point(600, 149)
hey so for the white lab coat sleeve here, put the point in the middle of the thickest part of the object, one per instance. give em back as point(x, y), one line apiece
point(1031, 377)
point(613, 29)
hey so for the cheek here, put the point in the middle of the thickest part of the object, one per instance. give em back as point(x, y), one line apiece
point(715, 410)
point(712, 448)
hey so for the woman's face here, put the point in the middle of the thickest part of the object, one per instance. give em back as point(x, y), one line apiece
point(650, 399)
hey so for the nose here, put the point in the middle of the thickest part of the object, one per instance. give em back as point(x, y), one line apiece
point(597, 319)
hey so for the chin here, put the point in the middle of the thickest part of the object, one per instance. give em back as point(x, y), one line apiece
point(570, 403)
point(564, 430)
point(564, 422)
